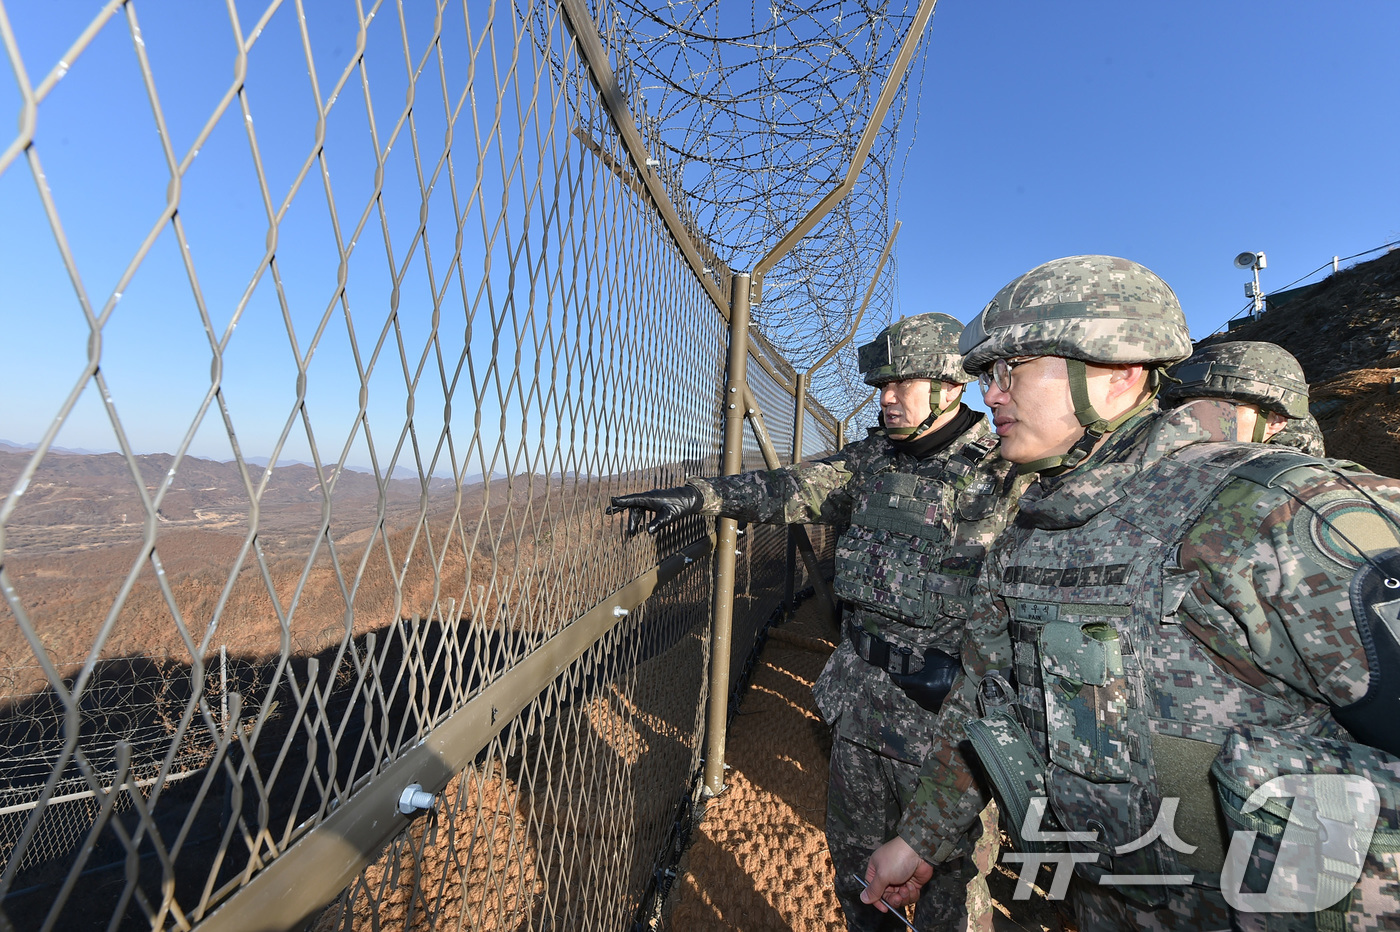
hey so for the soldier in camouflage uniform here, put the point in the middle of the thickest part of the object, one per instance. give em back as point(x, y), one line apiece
point(1262, 380)
point(1174, 620)
point(923, 500)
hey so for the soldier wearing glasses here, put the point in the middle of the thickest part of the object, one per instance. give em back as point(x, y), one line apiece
point(1175, 622)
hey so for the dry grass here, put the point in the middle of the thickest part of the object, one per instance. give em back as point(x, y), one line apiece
point(1362, 419)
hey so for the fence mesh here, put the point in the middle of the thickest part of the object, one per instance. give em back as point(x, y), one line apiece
point(371, 314)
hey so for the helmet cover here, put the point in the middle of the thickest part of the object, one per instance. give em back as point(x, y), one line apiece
point(1248, 371)
point(924, 346)
point(1097, 309)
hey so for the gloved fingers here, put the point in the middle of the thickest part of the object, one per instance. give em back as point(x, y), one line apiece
point(634, 500)
point(656, 509)
point(638, 506)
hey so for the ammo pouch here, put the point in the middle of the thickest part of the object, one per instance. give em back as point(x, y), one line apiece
point(899, 557)
point(1299, 846)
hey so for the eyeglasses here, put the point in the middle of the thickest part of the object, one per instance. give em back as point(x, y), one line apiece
point(999, 372)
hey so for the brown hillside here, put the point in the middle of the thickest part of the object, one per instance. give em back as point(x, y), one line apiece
point(78, 531)
point(1359, 414)
point(1351, 322)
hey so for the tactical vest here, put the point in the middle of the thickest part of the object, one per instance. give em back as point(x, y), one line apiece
point(1124, 705)
point(917, 541)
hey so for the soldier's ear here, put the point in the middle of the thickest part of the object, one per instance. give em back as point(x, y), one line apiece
point(1127, 378)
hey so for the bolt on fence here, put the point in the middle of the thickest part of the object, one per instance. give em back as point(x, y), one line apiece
point(396, 294)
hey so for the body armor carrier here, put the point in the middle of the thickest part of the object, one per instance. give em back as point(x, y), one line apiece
point(917, 539)
point(1123, 704)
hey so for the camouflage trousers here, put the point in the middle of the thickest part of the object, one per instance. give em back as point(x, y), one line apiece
point(866, 797)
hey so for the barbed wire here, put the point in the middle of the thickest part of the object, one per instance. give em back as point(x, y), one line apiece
point(757, 110)
point(132, 701)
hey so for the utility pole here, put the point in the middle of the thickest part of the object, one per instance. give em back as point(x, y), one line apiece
point(1254, 261)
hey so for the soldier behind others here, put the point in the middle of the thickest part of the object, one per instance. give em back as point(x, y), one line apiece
point(1262, 380)
point(1186, 619)
point(923, 499)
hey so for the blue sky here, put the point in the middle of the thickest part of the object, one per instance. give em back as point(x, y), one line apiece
point(103, 162)
point(1176, 134)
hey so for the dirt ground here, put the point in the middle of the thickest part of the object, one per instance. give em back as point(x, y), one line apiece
point(758, 860)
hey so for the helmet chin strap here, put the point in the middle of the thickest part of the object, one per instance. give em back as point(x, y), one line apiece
point(939, 405)
point(1261, 424)
point(1095, 426)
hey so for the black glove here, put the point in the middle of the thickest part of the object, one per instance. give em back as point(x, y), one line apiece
point(929, 687)
point(668, 505)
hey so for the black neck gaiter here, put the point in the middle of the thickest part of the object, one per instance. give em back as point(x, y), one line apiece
point(929, 444)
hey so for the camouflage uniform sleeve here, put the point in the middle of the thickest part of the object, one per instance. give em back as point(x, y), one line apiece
point(1272, 600)
point(948, 799)
point(818, 492)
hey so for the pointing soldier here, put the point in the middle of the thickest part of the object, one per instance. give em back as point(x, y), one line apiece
point(1264, 382)
point(923, 498)
point(1175, 621)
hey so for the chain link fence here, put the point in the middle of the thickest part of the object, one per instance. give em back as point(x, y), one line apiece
point(342, 322)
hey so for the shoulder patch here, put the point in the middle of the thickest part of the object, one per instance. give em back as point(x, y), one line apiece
point(1340, 526)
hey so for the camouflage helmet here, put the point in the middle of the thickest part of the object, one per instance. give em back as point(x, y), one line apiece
point(924, 346)
point(1096, 309)
point(1250, 371)
point(1086, 309)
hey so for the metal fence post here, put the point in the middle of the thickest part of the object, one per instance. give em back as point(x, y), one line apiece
point(726, 533)
point(799, 415)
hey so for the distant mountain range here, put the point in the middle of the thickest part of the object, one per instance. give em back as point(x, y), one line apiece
point(10, 446)
point(400, 472)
